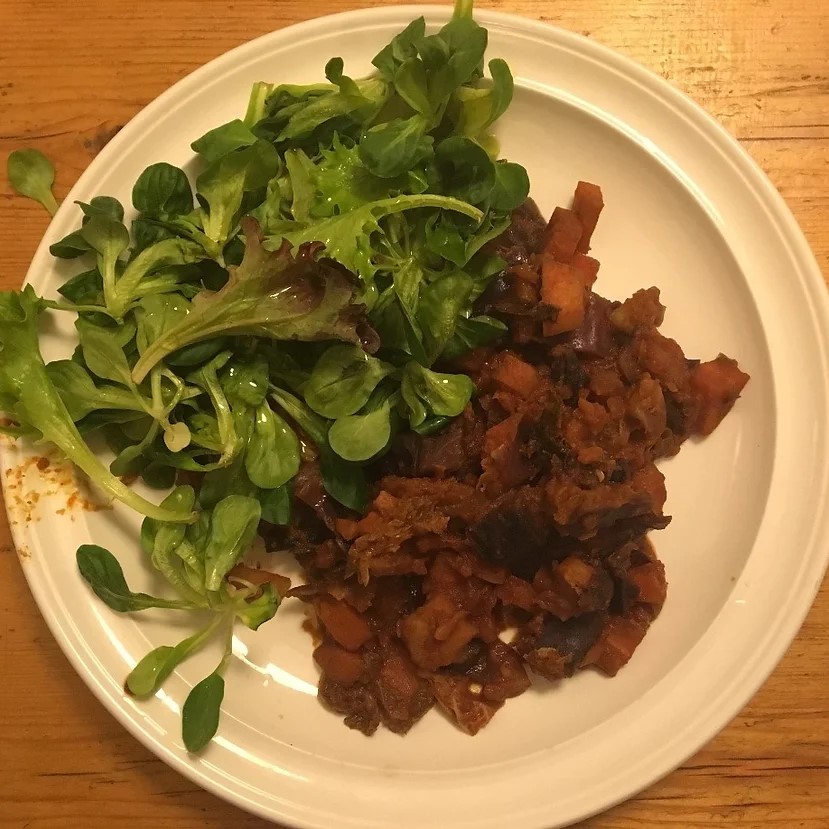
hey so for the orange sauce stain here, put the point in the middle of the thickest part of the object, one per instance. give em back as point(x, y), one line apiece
point(30, 484)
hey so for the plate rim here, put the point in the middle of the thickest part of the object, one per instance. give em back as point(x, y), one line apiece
point(780, 215)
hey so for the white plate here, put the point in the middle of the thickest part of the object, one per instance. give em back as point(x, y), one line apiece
point(687, 211)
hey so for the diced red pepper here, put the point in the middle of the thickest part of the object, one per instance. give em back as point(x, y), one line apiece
point(342, 622)
point(649, 581)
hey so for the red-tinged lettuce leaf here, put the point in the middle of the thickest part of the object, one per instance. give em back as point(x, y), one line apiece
point(273, 294)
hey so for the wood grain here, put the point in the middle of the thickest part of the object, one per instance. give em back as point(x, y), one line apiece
point(72, 73)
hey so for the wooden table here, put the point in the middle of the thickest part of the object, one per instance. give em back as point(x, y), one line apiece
point(73, 72)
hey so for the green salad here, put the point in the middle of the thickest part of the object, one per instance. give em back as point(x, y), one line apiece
point(295, 299)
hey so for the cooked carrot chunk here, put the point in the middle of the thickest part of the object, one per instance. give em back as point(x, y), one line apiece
point(587, 205)
point(513, 374)
point(716, 386)
point(619, 639)
point(563, 234)
point(340, 665)
point(343, 622)
point(649, 581)
point(563, 287)
point(587, 265)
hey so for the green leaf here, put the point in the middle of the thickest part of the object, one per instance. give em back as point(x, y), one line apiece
point(102, 572)
point(276, 209)
point(230, 478)
point(146, 232)
point(389, 150)
point(161, 191)
point(149, 674)
point(218, 142)
point(31, 174)
point(102, 206)
point(231, 440)
point(284, 368)
point(255, 613)
point(418, 411)
point(155, 314)
point(408, 276)
point(454, 240)
point(133, 459)
point(472, 333)
point(257, 101)
point(106, 235)
point(200, 713)
point(168, 253)
point(345, 482)
point(204, 429)
point(71, 246)
point(341, 182)
point(29, 397)
point(165, 534)
point(466, 44)
point(276, 505)
point(196, 353)
point(312, 424)
point(158, 476)
point(503, 88)
point(301, 170)
point(269, 295)
point(246, 381)
point(512, 187)
point(401, 48)
point(232, 529)
point(167, 555)
point(467, 171)
point(81, 395)
point(430, 392)
point(343, 379)
point(109, 239)
point(398, 328)
point(440, 306)
point(226, 480)
point(272, 457)
point(360, 437)
point(347, 237)
point(221, 187)
point(103, 352)
point(477, 109)
point(328, 104)
point(347, 86)
point(180, 498)
point(85, 288)
point(432, 425)
point(412, 85)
